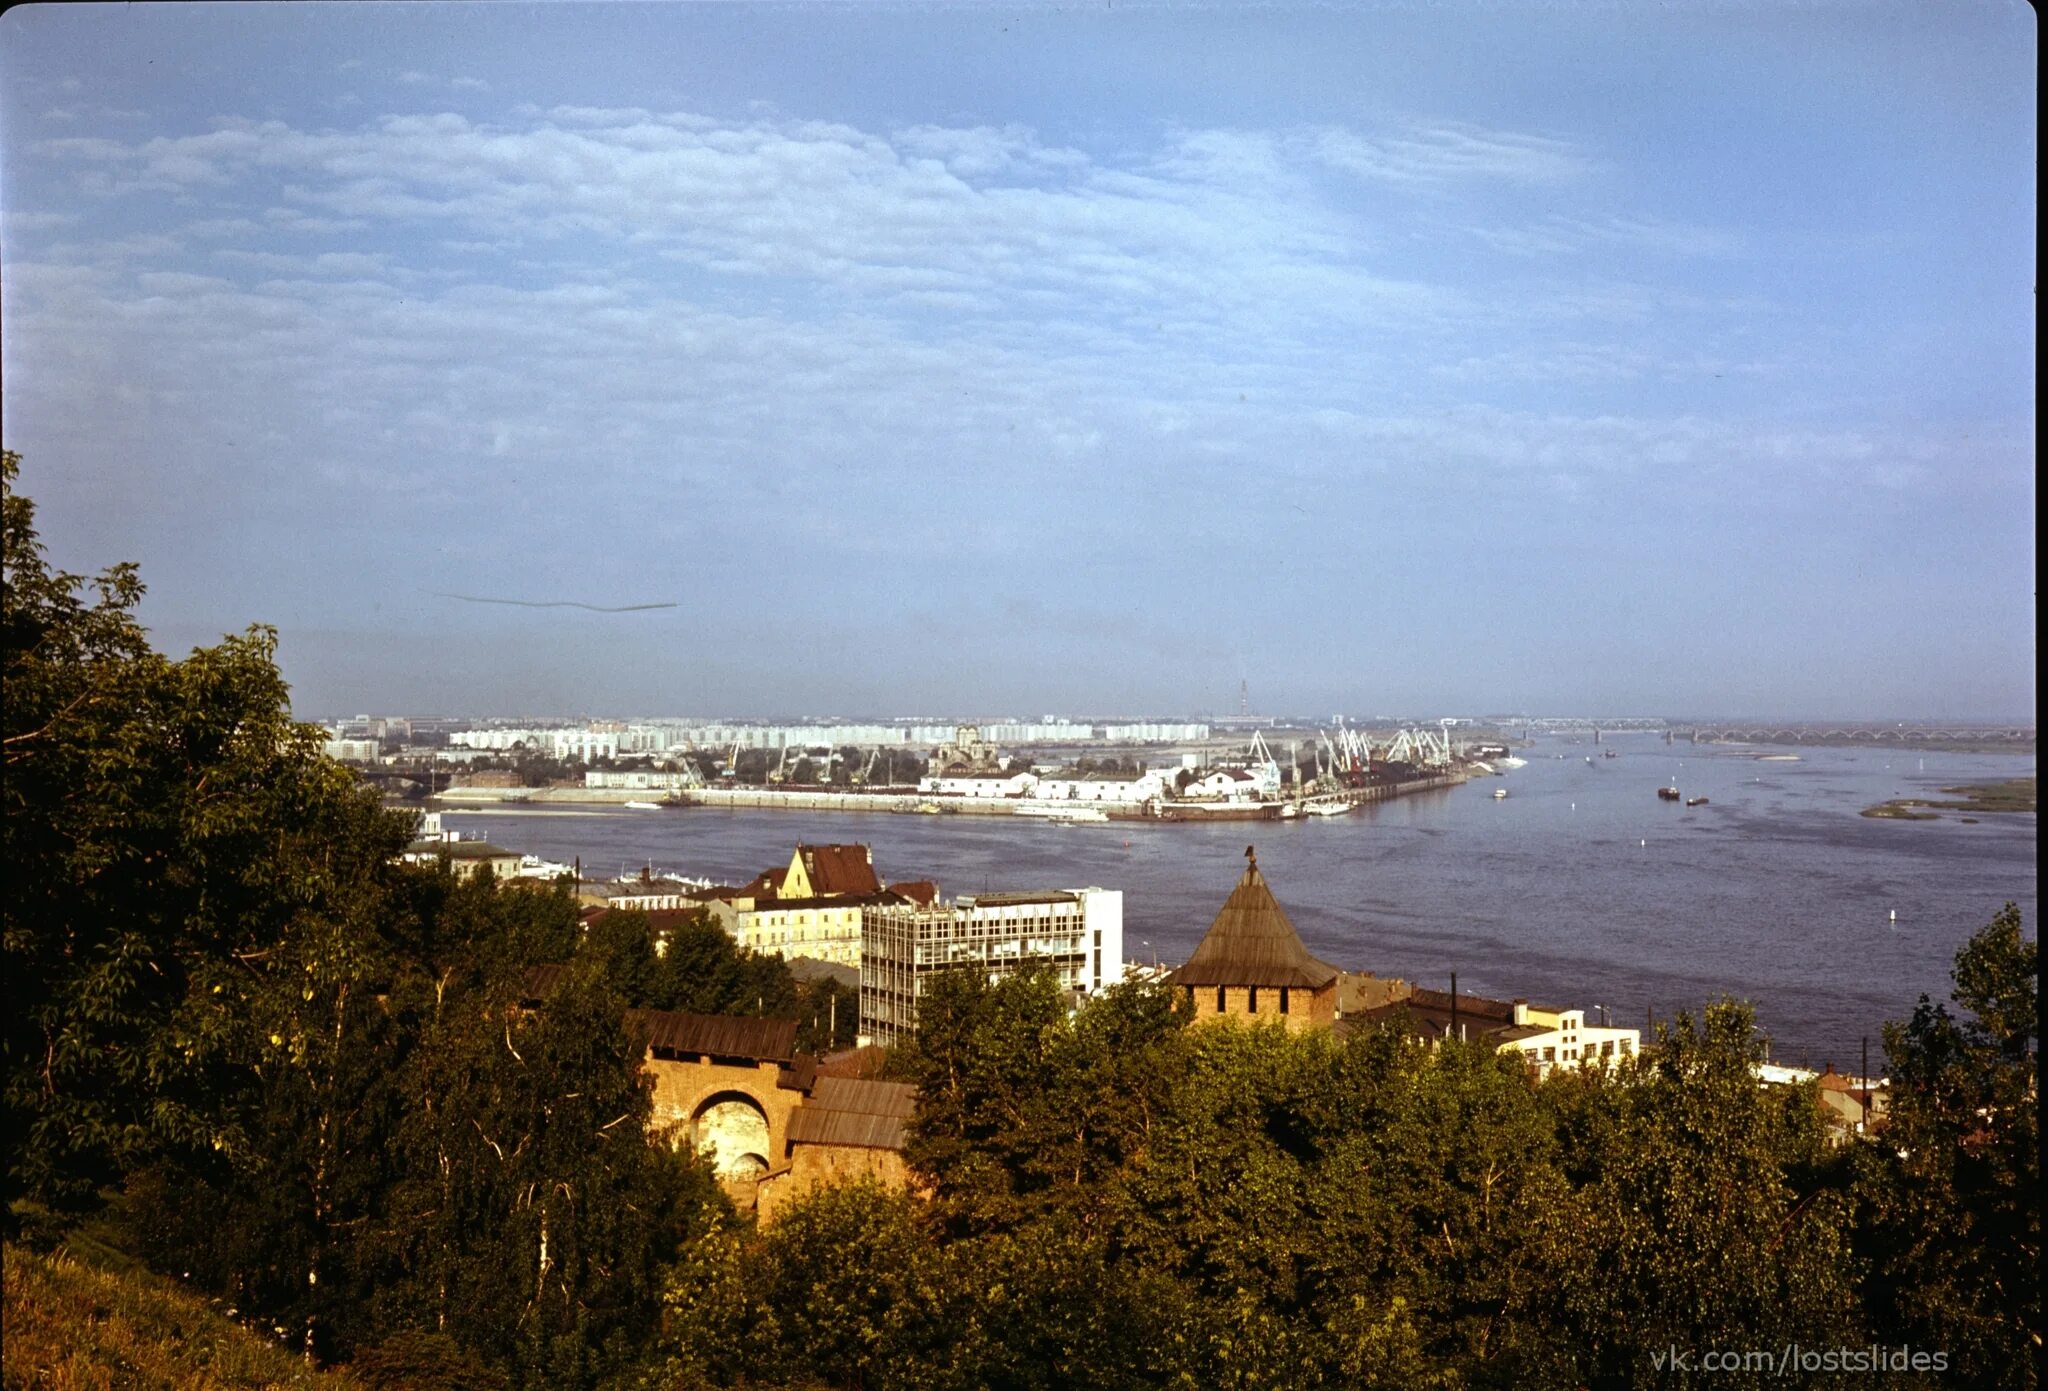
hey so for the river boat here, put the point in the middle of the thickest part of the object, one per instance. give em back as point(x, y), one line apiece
point(1607, 753)
point(1669, 794)
point(1499, 793)
point(643, 806)
point(1695, 801)
point(1327, 808)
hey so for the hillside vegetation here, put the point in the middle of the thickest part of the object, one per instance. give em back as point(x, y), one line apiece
point(72, 1326)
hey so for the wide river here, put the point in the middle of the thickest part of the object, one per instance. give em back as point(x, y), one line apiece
point(1580, 888)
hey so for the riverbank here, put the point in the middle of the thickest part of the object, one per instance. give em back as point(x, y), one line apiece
point(905, 802)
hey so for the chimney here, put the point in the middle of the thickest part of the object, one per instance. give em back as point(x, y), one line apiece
point(1521, 1011)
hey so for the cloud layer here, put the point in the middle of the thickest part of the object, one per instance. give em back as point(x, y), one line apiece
point(452, 342)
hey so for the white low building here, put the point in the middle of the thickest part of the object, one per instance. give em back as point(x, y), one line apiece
point(1127, 791)
point(1231, 785)
point(1569, 1043)
point(1017, 784)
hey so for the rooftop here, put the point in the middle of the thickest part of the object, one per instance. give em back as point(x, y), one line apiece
point(1252, 943)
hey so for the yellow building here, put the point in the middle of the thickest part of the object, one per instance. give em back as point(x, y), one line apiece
point(824, 929)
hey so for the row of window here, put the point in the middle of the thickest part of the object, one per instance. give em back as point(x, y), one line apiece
point(1251, 995)
point(1607, 1050)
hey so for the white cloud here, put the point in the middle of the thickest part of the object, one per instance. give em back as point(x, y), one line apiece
point(1444, 152)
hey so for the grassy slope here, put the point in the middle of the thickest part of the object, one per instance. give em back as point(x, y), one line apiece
point(71, 1326)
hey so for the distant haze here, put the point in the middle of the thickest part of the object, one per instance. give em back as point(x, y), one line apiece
point(1570, 359)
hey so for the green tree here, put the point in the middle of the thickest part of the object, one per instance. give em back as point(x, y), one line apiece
point(1950, 1192)
point(174, 841)
point(1707, 1217)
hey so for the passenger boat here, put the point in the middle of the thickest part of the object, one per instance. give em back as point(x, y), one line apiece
point(1695, 801)
point(1669, 794)
point(1499, 792)
point(643, 806)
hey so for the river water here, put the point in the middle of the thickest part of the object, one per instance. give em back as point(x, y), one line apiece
point(1580, 888)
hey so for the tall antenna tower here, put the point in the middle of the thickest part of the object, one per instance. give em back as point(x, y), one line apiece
point(1244, 697)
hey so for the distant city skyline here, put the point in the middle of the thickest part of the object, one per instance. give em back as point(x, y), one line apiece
point(1018, 358)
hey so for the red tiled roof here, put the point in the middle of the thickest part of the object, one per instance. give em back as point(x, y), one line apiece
point(840, 869)
point(922, 892)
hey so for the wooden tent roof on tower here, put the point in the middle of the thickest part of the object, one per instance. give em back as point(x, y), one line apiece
point(1252, 943)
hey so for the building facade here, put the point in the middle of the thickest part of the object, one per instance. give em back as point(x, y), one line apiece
point(1079, 933)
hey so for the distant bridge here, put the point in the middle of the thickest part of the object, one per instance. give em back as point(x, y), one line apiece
point(408, 782)
point(1902, 734)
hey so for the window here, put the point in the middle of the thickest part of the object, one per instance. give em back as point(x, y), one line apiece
point(1283, 999)
point(1627, 1047)
point(1252, 999)
point(1550, 1055)
point(1219, 999)
point(1607, 1049)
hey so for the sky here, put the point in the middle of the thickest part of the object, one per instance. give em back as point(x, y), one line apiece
point(1019, 359)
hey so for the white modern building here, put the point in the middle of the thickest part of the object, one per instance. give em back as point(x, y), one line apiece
point(1569, 1043)
point(1079, 933)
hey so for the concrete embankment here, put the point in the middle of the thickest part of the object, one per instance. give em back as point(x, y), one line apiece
point(775, 799)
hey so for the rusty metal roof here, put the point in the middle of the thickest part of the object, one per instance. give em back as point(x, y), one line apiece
point(1252, 943)
point(715, 1035)
point(838, 870)
point(850, 1111)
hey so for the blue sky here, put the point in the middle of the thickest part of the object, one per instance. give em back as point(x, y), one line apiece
point(1011, 359)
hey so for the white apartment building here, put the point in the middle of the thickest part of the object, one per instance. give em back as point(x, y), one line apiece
point(1570, 1043)
point(1154, 733)
point(352, 750)
point(1077, 932)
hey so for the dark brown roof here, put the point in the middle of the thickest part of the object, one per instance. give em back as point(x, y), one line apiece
point(848, 1111)
point(840, 869)
point(1472, 1007)
point(1433, 1021)
point(922, 892)
point(1252, 943)
point(809, 968)
point(867, 1062)
point(715, 1035)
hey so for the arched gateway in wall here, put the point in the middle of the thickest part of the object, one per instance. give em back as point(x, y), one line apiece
point(724, 1086)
